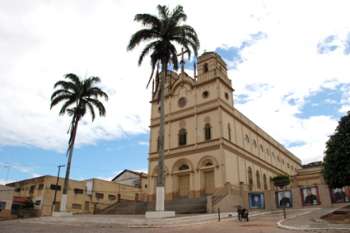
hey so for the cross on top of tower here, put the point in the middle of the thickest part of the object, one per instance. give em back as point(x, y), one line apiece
point(182, 61)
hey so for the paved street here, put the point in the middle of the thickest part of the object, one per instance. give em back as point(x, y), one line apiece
point(259, 224)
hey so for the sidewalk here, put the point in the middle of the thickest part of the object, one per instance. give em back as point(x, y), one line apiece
point(135, 220)
point(310, 219)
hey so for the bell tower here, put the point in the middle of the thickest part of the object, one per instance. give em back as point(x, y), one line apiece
point(211, 66)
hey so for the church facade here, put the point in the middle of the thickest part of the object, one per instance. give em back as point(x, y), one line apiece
point(210, 147)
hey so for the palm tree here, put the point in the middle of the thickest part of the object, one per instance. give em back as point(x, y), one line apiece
point(77, 96)
point(163, 34)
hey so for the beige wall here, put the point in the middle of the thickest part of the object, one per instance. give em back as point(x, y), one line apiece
point(77, 202)
point(195, 171)
point(306, 178)
point(6, 196)
point(236, 142)
point(42, 195)
point(110, 191)
point(128, 178)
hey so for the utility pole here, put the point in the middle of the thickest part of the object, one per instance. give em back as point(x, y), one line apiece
point(58, 177)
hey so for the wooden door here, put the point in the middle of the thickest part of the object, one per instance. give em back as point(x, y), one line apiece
point(209, 182)
point(184, 185)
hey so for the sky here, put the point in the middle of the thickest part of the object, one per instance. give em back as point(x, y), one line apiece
point(288, 62)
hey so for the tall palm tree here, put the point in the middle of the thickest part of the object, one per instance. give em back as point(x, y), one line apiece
point(77, 96)
point(163, 34)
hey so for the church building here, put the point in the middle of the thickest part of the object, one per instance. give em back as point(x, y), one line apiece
point(212, 149)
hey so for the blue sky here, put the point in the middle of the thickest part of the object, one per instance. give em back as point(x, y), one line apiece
point(290, 74)
point(103, 160)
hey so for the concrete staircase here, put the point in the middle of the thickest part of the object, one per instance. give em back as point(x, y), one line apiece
point(185, 205)
point(179, 205)
point(125, 207)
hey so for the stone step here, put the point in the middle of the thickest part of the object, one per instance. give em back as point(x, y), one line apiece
point(180, 206)
point(185, 205)
point(125, 207)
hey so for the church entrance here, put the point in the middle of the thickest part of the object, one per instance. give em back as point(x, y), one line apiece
point(207, 167)
point(184, 185)
point(209, 182)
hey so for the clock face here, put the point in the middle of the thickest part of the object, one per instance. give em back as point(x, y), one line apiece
point(182, 102)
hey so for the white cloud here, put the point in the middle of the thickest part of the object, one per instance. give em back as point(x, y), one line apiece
point(7, 171)
point(42, 41)
point(143, 143)
point(4, 181)
point(344, 109)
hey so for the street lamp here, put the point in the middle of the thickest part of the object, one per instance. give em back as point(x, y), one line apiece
point(58, 177)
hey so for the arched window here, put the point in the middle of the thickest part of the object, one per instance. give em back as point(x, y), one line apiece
point(208, 163)
point(265, 182)
point(250, 178)
point(258, 180)
point(182, 137)
point(184, 167)
point(229, 131)
point(205, 68)
point(226, 95)
point(207, 131)
point(247, 138)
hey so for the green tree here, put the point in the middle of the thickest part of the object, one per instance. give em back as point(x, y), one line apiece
point(281, 181)
point(77, 97)
point(163, 34)
point(336, 166)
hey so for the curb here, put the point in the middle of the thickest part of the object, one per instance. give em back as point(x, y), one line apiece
point(282, 226)
point(179, 224)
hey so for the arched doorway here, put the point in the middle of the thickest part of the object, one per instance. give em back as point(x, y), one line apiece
point(207, 175)
point(183, 181)
point(209, 186)
point(182, 171)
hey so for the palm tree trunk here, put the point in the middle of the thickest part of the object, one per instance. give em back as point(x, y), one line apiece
point(69, 161)
point(160, 179)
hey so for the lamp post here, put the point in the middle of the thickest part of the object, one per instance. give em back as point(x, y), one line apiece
point(58, 177)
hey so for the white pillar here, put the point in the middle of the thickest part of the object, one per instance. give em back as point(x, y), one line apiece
point(160, 197)
point(63, 202)
point(160, 213)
